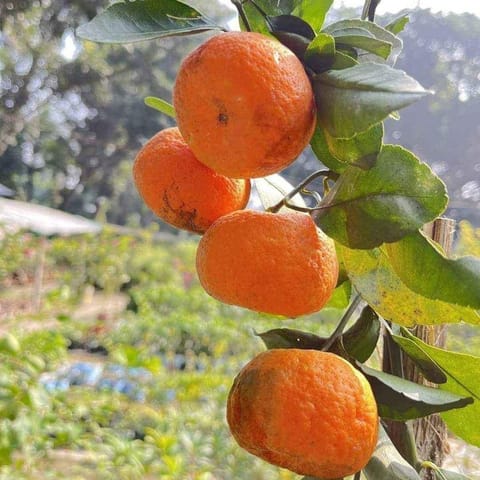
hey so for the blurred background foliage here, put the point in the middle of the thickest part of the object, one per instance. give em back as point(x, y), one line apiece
point(72, 115)
point(125, 393)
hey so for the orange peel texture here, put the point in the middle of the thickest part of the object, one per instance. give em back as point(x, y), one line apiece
point(273, 263)
point(179, 189)
point(244, 104)
point(305, 410)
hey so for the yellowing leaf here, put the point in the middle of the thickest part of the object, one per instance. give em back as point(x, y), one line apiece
point(375, 280)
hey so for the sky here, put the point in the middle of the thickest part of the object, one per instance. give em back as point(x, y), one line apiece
point(392, 6)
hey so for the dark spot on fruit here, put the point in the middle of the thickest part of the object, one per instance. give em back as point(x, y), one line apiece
point(223, 118)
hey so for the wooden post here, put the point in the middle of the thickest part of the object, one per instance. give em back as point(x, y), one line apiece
point(430, 432)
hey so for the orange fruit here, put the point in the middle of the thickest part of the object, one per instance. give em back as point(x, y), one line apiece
point(179, 189)
point(305, 410)
point(244, 104)
point(276, 263)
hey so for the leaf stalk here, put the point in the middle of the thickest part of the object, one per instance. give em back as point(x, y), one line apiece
point(301, 186)
point(343, 322)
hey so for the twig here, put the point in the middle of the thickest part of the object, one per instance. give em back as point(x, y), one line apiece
point(297, 189)
point(241, 12)
point(343, 322)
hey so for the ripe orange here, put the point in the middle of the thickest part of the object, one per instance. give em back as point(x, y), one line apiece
point(305, 410)
point(244, 104)
point(179, 189)
point(274, 263)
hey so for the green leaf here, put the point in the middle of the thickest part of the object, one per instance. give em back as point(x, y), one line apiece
point(351, 100)
point(399, 399)
point(289, 338)
point(386, 463)
point(351, 38)
point(366, 208)
point(342, 60)
point(341, 296)
point(462, 372)
point(320, 54)
point(375, 280)
point(429, 368)
point(290, 24)
point(312, 11)
point(320, 148)
point(273, 188)
point(296, 43)
point(375, 30)
point(397, 25)
point(442, 474)
point(361, 150)
point(135, 21)
point(160, 105)
point(257, 21)
point(423, 267)
point(361, 338)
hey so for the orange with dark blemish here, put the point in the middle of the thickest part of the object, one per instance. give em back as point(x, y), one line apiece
point(244, 104)
point(305, 410)
point(179, 189)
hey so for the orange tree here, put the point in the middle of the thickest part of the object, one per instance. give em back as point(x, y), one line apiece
point(374, 201)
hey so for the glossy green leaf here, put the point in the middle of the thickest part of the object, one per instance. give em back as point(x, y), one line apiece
point(160, 105)
point(429, 368)
point(424, 268)
point(320, 148)
point(257, 20)
point(386, 463)
point(397, 25)
point(375, 280)
point(296, 43)
point(312, 11)
point(375, 30)
point(462, 372)
point(361, 338)
point(366, 208)
point(289, 338)
point(351, 100)
point(273, 188)
point(399, 399)
point(361, 150)
point(320, 54)
point(291, 24)
point(135, 21)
